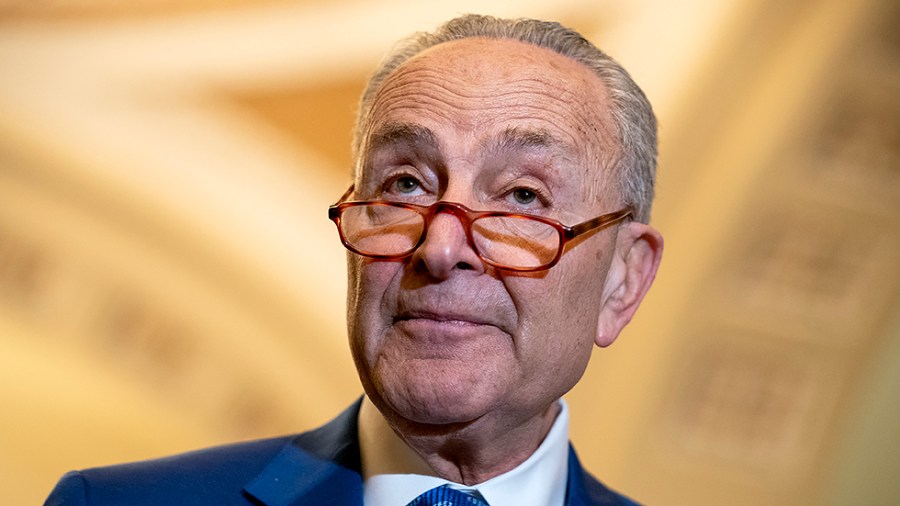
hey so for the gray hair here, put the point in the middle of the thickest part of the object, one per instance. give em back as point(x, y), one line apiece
point(630, 110)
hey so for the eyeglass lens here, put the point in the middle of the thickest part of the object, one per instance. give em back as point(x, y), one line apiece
point(514, 241)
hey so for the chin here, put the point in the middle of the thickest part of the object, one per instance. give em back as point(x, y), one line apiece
point(437, 398)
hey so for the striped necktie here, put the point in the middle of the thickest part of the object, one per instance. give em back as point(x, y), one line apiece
point(446, 496)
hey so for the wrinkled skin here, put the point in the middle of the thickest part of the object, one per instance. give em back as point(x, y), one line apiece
point(464, 360)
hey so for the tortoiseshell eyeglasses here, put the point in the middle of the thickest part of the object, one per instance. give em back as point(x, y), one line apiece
point(510, 241)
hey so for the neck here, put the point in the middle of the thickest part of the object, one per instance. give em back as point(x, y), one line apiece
point(474, 452)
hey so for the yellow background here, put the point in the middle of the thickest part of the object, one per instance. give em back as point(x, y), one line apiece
point(169, 280)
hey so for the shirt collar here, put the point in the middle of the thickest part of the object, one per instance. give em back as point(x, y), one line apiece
point(394, 474)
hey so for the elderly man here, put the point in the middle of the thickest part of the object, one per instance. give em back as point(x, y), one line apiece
point(497, 228)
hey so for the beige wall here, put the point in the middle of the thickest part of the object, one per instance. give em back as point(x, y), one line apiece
point(168, 278)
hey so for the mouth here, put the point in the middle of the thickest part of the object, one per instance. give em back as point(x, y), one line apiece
point(433, 333)
point(441, 318)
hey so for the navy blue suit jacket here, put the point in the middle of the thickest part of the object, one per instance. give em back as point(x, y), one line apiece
point(320, 467)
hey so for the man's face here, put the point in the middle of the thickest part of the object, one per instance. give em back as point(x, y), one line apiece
point(440, 337)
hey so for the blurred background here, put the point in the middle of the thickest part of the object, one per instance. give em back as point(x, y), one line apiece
point(169, 280)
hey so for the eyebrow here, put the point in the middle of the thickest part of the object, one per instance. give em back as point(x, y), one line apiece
point(519, 139)
point(510, 140)
point(406, 134)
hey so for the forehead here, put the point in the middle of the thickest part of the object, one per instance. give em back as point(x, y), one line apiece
point(479, 89)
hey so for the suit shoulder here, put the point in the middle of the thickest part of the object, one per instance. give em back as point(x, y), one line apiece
point(600, 494)
point(71, 490)
point(213, 475)
point(226, 461)
point(586, 490)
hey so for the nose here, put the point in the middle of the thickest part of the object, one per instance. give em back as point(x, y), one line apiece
point(446, 247)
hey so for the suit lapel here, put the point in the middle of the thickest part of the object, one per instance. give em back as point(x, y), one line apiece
point(317, 467)
point(583, 489)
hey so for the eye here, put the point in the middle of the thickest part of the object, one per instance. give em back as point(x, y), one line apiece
point(527, 196)
point(406, 184)
point(402, 185)
point(523, 195)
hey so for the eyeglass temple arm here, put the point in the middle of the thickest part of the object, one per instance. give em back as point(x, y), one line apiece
point(600, 222)
point(346, 194)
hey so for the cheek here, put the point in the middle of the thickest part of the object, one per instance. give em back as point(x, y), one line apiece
point(352, 285)
point(369, 290)
point(555, 339)
point(563, 310)
point(364, 278)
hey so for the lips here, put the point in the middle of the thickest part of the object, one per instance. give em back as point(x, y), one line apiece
point(433, 331)
point(451, 308)
point(442, 317)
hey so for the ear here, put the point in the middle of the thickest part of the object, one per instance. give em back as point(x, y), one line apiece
point(635, 261)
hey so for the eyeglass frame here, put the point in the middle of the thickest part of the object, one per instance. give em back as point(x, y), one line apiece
point(467, 217)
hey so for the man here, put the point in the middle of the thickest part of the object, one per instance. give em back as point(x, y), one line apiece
point(472, 306)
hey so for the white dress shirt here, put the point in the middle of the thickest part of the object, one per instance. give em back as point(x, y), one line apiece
point(394, 474)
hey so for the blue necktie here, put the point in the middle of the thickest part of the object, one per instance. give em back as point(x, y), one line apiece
point(446, 496)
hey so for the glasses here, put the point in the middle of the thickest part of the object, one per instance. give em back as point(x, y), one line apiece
point(510, 241)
